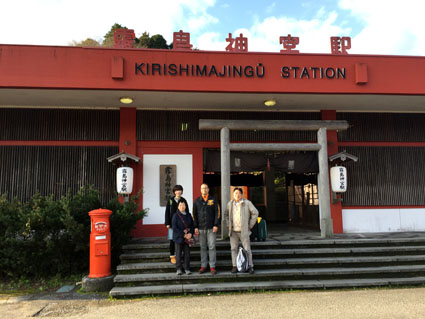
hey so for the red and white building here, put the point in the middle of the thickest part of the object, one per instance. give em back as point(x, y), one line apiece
point(61, 117)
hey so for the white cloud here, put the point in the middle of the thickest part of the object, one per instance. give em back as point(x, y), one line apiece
point(196, 23)
point(264, 35)
point(270, 9)
point(392, 27)
point(53, 22)
point(212, 41)
point(388, 26)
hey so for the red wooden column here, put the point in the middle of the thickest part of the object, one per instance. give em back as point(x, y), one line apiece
point(128, 143)
point(128, 130)
point(336, 209)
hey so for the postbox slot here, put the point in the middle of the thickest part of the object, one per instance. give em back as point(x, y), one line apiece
point(102, 249)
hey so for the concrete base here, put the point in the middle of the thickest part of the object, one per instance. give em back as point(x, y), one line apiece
point(98, 284)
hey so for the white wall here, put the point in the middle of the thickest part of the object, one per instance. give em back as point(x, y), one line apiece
point(151, 165)
point(383, 220)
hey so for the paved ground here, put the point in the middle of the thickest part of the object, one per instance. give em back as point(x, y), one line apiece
point(370, 303)
point(283, 232)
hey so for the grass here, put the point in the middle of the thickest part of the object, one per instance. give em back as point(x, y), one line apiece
point(22, 286)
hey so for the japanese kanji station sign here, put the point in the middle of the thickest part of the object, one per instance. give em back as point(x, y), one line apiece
point(234, 69)
point(240, 44)
point(124, 38)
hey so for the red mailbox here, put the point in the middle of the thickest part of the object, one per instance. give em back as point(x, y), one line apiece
point(100, 244)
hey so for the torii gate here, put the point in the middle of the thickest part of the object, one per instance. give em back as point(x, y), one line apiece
point(326, 226)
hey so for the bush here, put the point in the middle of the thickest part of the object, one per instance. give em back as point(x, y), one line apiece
point(122, 221)
point(47, 237)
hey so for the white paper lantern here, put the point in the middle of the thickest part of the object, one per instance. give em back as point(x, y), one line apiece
point(124, 180)
point(339, 179)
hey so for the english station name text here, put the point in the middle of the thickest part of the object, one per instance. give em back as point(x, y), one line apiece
point(233, 71)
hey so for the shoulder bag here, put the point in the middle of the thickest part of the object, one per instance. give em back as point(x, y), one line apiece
point(191, 242)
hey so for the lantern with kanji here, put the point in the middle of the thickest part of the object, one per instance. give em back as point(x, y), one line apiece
point(339, 179)
point(124, 180)
point(125, 173)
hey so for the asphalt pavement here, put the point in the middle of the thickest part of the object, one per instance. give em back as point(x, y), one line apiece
point(365, 303)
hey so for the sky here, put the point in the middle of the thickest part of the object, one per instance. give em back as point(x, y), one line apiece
point(388, 27)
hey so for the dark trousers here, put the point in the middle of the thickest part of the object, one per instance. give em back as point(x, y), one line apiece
point(172, 248)
point(182, 248)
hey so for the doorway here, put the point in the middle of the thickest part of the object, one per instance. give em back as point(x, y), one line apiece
point(287, 199)
point(282, 186)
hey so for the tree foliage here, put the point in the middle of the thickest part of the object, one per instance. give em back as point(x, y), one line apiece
point(157, 41)
point(108, 39)
point(45, 236)
point(89, 42)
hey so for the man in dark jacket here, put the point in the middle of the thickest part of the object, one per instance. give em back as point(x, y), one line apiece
point(206, 219)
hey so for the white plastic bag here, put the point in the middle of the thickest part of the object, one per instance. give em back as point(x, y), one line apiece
point(242, 260)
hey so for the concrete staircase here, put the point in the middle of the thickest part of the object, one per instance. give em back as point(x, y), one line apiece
point(279, 264)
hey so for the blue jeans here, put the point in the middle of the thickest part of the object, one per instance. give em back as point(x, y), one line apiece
point(207, 239)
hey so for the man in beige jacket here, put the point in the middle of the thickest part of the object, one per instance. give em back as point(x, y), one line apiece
point(242, 216)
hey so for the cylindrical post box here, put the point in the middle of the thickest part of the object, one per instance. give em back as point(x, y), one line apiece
point(100, 244)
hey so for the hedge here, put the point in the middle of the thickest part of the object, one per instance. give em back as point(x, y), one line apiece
point(45, 236)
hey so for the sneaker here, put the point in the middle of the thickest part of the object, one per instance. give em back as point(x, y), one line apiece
point(251, 270)
point(173, 259)
point(202, 270)
point(179, 272)
point(234, 270)
point(188, 272)
point(213, 271)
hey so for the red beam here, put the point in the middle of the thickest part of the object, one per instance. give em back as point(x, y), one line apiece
point(59, 143)
point(380, 207)
point(382, 144)
point(26, 66)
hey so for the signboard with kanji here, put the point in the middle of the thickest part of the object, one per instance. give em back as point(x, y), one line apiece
point(167, 180)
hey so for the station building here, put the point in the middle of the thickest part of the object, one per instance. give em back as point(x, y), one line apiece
point(61, 117)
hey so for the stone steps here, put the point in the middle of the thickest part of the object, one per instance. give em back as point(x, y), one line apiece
point(283, 253)
point(293, 243)
point(299, 264)
point(260, 286)
point(271, 274)
point(148, 267)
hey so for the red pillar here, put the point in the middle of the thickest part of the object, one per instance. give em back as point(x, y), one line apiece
point(127, 142)
point(128, 130)
point(336, 209)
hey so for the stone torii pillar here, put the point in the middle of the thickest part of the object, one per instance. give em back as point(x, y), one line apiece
point(326, 224)
point(225, 176)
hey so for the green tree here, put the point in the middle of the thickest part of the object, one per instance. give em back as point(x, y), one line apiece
point(143, 41)
point(89, 42)
point(157, 41)
point(108, 39)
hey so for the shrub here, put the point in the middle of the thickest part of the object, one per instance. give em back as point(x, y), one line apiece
point(47, 237)
point(122, 221)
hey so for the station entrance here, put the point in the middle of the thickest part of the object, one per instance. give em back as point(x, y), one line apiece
point(282, 186)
